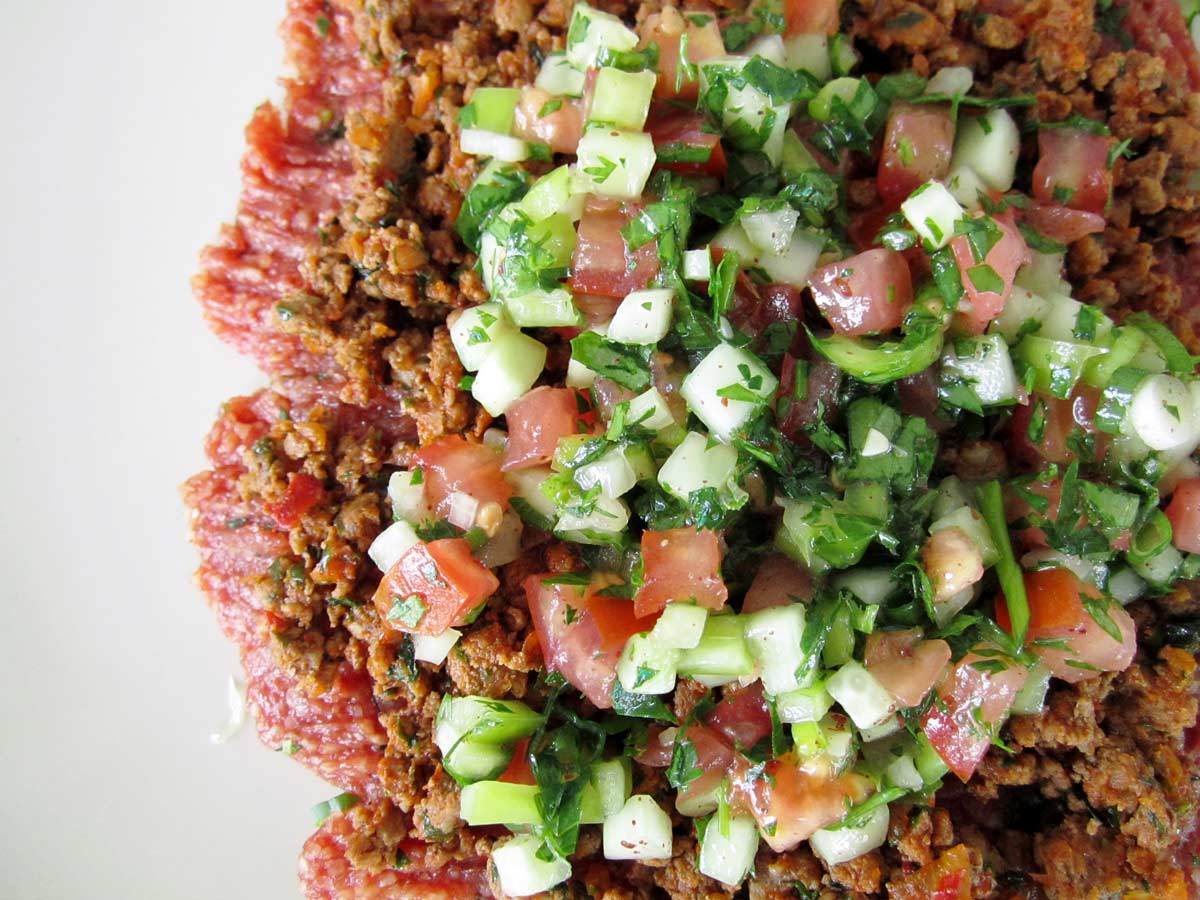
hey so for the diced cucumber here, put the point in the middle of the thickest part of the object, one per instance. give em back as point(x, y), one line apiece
point(771, 230)
point(953, 81)
point(552, 194)
point(902, 773)
point(499, 803)
point(697, 264)
point(873, 586)
point(1062, 318)
point(733, 237)
point(504, 545)
point(773, 636)
point(642, 461)
point(1126, 343)
point(592, 31)
point(820, 107)
point(544, 309)
point(611, 471)
point(521, 870)
point(680, 627)
point(493, 108)
point(591, 812)
point(615, 163)
point(468, 761)
point(796, 158)
point(1161, 412)
point(695, 465)
point(728, 388)
point(1023, 313)
point(839, 642)
point(809, 53)
point(950, 495)
point(884, 729)
point(406, 491)
point(770, 47)
point(932, 212)
point(559, 77)
point(613, 779)
point(393, 542)
point(983, 364)
point(928, 762)
point(604, 525)
point(989, 146)
point(1159, 570)
point(508, 372)
point(722, 651)
point(641, 830)
point(475, 330)
point(503, 147)
point(827, 740)
point(622, 99)
point(650, 410)
point(971, 523)
point(1057, 365)
point(966, 187)
point(840, 845)
point(869, 499)
point(535, 508)
point(483, 720)
point(643, 317)
point(808, 704)
point(696, 805)
point(1125, 586)
point(1031, 698)
point(579, 375)
point(729, 857)
point(645, 667)
point(842, 55)
point(867, 702)
point(945, 610)
point(1043, 275)
point(434, 648)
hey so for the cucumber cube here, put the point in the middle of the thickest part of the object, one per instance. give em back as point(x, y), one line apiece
point(808, 704)
point(622, 99)
point(697, 264)
point(966, 187)
point(552, 194)
point(650, 410)
point(615, 163)
point(809, 53)
point(393, 542)
point(544, 309)
point(727, 389)
point(508, 372)
point(771, 230)
point(612, 472)
point(521, 870)
point(729, 858)
point(984, 365)
point(864, 699)
point(989, 146)
point(796, 262)
point(645, 667)
point(493, 108)
point(1023, 313)
point(953, 81)
point(643, 317)
point(902, 773)
point(474, 332)
point(722, 652)
point(932, 211)
point(694, 465)
point(680, 626)
point(434, 648)
point(591, 32)
point(641, 830)
point(483, 720)
point(503, 147)
point(840, 845)
point(604, 525)
point(774, 636)
point(559, 77)
point(613, 779)
point(499, 803)
point(534, 507)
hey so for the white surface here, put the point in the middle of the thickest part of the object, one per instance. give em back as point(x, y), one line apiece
point(118, 163)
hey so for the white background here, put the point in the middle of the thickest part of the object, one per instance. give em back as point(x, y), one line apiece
point(119, 158)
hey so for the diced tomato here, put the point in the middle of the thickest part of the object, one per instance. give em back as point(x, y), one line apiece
point(778, 582)
point(917, 146)
point(811, 16)
point(742, 716)
point(1070, 642)
point(519, 771)
point(906, 665)
point(1007, 255)
point(1062, 418)
point(657, 753)
point(302, 494)
point(947, 878)
point(677, 132)
point(452, 463)
point(561, 128)
point(666, 30)
point(1072, 169)
point(1063, 224)
point(918, 396)
point(755, 307)
point(582, 633)
point(603, 263)
point(714, 757)
point(817, 399)
point(440, 582)
point(972, 701)
point(1184, 513)
point(864, 294)
point(790, 801)
point(1158, 27)
point(680, 565)
point(536, 422)
point(597, 310)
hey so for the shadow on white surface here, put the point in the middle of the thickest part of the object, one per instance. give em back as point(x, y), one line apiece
point(121, 163)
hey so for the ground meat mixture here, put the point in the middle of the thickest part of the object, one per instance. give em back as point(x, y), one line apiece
point(337, 275)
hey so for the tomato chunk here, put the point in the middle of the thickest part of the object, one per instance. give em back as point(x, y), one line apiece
point(560, 129)
point(681, 565)
point(1184, 513)
point(864, 294)
point(536, 422)
point(1063, 224)
point(433, 587)
point(1072, 169)
point(603, 263)
point(988, 282)
point(714, 757)
point(973, 701)
point(302, 494)
point(666, 30)
point(917, 147)
point(685, 142)
point(582, 632)
point(1072, 639)
point(811, 16)
point(742, 716)
point(778, 582)
point(906, 665)
point(452, 463)
point(1060, 418)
